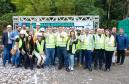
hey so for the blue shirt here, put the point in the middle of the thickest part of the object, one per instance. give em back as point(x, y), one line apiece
point(122, 42)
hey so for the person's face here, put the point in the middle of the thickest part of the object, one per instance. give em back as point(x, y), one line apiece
point(121, 31)
point(24, 26)
point(37, 26)
point(39, 38)
point(72, 34)
point(114, 30)
point(22, 35)
point(19, 28)
point(107, 32)
point(29, 38)
point(9, 29)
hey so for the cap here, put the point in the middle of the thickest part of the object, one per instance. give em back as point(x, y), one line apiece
point(37, 23)
point(42, 29)
point(22, 32)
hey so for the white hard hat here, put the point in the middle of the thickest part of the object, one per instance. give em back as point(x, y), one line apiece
point(22, 32)
point(42, 29)
point(9, 26)
point(16, 37)
point(37, 23)
point(39, 35)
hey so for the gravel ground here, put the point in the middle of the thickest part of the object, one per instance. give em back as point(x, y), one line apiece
point(119, 74)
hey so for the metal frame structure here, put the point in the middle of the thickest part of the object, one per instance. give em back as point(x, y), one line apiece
point(41, 19)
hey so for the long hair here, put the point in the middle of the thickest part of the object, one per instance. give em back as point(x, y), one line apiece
point(109, 32)
point(70, 36)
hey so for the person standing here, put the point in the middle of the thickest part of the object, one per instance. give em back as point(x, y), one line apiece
point(122, 45)
point(71, 48)
point(61, 41)
point(99, 49)
point(50, 40)
point(89, 49)
point(7, 44)
point(109, 49)
point(114, 30)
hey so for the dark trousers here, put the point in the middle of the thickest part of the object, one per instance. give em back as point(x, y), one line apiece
point(99, 58)
point(28, 61)
point(120, 56)
point(82, 55)
point(63, 57)
point(108, 59)
point(88, 58)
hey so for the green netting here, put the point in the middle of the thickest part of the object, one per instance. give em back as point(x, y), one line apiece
point(124, 24)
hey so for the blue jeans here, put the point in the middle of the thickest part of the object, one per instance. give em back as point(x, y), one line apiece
point(63, 57)
point(82, 55)
point(71, 60)
point(16, 58)
point(50, 55)
point(6, 54)
point(88, 58)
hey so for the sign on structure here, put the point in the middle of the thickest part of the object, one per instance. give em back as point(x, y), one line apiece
point(90, 22)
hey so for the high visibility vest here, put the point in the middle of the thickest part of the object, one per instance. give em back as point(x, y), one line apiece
point(50, 41)
point(35, 35)
point(61, 42)
point(40, 47)
point(73, 47)
point(78, 45)
point(83, 43)
point(99, 41)
point(89, 42)
point(109, 43)
point(20, 43)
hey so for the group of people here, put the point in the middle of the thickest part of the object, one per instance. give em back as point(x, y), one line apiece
point(83, 47)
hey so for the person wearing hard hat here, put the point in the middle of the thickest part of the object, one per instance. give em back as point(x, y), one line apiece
point(39, 51)
point(99, 49)
point(109, 49)
point(50, 40)
point(22, 41)
point(7, 44)
point(36, 31)
point(61, 40)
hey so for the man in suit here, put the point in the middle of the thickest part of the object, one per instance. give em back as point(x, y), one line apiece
point(7, 44)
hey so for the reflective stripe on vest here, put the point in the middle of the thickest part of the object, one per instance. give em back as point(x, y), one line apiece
point(40, 46)
point(89, 42)
point(109, 43)
point(20, 43)
point(50, 41)
point(73, 47)
point(99, 41)
point(61, 42)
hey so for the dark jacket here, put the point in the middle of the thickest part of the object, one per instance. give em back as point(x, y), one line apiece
point(5, 38)
point(122, 42)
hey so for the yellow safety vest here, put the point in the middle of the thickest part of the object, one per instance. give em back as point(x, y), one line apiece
point(73, 47)
point(109, 43)
point(83, 44)
point(40, 47)
point(61, 42)
point(89, 42)
point(50, 41)
point(20, 43)
point(99, 41)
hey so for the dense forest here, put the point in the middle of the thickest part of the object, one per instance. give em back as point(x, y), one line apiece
point(110, 11)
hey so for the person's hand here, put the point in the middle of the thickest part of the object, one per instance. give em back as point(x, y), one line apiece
point(125, 49)
point(30, 56)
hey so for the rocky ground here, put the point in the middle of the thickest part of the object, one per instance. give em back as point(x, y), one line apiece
point(119, 74)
